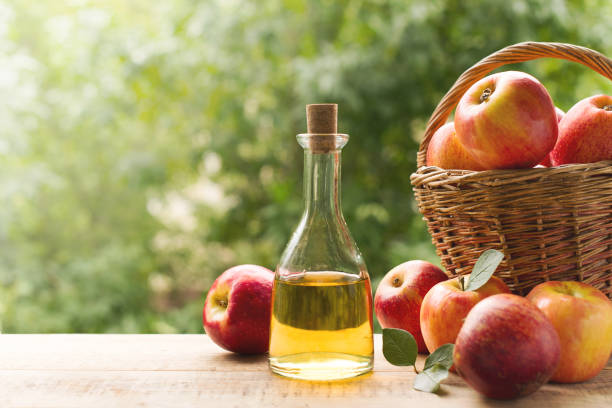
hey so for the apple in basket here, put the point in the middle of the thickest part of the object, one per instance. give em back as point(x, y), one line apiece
point(506, 121)
point(399, 295)
point(585, 132)
point(507, 347)
point(237, 310)
point(445, 151)
point(547, 162)
point(582, 316)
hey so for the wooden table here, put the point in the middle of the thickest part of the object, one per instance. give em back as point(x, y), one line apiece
point(78, 370)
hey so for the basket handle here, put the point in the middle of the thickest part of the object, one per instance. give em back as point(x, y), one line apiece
point(515, 53)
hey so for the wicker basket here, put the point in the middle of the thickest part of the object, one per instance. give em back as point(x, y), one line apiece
point(551, 223)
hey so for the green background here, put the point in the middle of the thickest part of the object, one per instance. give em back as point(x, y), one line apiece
point(146, 146)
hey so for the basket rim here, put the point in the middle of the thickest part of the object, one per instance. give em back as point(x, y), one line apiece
point(433, 176)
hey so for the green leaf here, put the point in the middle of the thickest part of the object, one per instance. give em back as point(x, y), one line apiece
point(399, 347)
point(429, 380)
point(483, 269)
point(442, 356)
point(436, 369)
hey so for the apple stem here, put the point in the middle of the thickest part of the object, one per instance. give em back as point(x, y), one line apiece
point(485, 95)
point(608, 108)
point(462, 283)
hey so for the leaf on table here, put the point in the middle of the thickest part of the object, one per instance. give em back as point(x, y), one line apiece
point(429, 380)
point(399, 347)
point(436, 369)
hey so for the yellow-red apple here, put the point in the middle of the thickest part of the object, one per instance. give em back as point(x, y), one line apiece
point(582, 316)
point(507, 120)
point(446, 305)
point(446, 152)
point(399, 295)
point(547, 162)
point(237, 310)
point(507, 347)
point(585, 132)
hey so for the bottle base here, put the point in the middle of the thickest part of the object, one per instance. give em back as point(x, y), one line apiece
point(321, 366)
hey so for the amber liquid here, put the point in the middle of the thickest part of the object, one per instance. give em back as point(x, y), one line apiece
point(321, 326)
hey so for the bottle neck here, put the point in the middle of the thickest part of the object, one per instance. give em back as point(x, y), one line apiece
point(322, 183)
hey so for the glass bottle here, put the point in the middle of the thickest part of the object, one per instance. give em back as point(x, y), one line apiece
point(321, 327)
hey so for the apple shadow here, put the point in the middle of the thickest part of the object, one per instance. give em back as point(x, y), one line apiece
point(597, 386)
point(229, 357)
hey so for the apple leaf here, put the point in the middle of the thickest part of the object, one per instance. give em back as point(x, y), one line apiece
point(399, 347)
point(436, 369)
point(486, 264)
point(429, 380)
point(442, 356)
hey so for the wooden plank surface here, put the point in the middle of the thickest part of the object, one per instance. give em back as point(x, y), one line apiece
point(79, 370)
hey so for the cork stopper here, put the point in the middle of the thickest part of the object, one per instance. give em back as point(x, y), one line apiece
point(322, 118)
point(322, 123)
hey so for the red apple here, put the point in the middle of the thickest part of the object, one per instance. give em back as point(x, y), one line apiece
point(446, 152)
point(582, 316)
point(507, 121)
point(237, 310)
point(585, 132)
point(559, 114)
point(399, 295)
point(546, 162)
point(446, 305)
point(507, 348)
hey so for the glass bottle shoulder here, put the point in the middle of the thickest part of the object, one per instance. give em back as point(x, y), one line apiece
point(323, 245)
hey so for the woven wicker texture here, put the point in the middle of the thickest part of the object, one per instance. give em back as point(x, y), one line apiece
point(551, 223)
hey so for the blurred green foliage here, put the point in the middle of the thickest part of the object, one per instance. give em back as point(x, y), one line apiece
point(147, 146)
